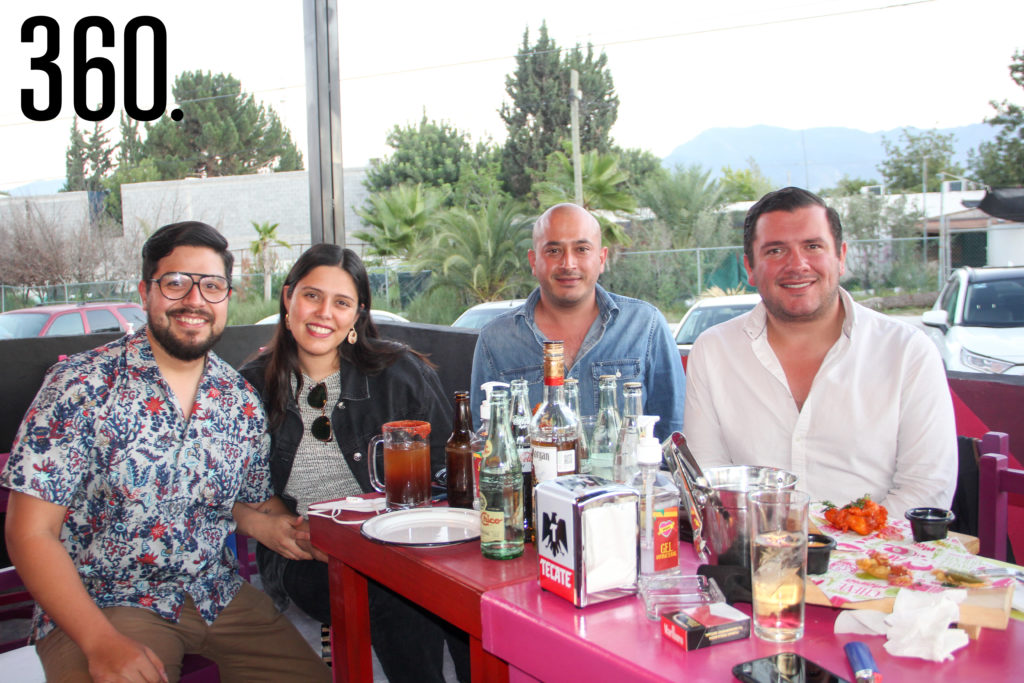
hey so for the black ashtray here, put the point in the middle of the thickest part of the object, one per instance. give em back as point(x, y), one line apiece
point(929, 524)
point(819, 549)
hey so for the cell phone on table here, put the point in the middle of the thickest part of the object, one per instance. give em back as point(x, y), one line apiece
point(784, 667)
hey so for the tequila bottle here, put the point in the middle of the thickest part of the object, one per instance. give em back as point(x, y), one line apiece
point(554, 429)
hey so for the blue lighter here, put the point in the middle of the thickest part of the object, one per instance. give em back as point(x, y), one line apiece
point(863, 664)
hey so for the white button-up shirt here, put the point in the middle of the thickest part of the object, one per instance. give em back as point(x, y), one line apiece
point(878, 418)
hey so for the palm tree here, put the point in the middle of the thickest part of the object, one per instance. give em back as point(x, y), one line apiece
point(687, 202)
point(400, 216)
point(266, 237)
point(604, 185)
point(480, 252)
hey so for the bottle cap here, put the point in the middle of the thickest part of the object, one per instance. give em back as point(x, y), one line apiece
point(648, 452)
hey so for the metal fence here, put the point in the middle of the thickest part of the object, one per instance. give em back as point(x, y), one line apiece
point(670, 279)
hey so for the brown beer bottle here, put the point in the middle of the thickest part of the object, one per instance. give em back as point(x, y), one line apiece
point(459, 452)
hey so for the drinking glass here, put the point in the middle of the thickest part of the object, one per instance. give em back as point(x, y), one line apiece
point(406, 464)
point(777, 522)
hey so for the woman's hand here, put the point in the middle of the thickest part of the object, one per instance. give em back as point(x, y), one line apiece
point(274, 526)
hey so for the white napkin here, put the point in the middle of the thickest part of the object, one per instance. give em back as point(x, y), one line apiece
point(333, 509)
point(609, 546)
point(917, 627)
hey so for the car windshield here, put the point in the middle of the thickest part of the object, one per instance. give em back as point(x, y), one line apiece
point(995, 303)
point(703, 317)
point(22, 325)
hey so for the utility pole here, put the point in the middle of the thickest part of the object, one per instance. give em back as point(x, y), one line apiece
point(924, 210)
point(574, 113)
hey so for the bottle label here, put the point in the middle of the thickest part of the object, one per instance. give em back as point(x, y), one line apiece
point(526, 459)
point(492, 526)
point(566, 461)
point(544, 463)
point(666, 538)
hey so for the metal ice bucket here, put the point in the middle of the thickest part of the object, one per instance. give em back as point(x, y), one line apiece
point(724, 508)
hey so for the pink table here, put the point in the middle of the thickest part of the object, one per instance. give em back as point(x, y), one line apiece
point(544, 637)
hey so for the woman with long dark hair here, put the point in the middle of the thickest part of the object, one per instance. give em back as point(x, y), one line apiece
point(329, 381)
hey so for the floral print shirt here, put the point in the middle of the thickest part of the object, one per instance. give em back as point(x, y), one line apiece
point(148, 493)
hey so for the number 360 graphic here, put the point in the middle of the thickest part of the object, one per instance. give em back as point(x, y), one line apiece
point(82, 65)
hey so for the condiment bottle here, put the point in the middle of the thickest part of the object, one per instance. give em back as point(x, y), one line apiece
point(501, 487)
point(459, 450)
point(659, 512)
point(606, 432)
point(624, 464)
point(554, 428)
point(521, 433)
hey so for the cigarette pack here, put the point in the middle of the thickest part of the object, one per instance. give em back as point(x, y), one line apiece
point(704, 625)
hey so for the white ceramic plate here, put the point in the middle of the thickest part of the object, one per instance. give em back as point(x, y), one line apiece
point(424, 527)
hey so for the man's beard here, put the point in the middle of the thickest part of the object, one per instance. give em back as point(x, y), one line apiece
point(183, 349)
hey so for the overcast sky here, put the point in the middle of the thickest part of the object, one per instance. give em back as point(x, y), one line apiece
point(680, 66)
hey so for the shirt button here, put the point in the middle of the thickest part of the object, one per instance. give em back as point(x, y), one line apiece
point(357, 457)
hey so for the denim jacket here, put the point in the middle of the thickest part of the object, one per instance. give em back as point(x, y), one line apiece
point(629, 339)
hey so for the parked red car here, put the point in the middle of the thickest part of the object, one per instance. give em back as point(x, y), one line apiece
point(70, 319)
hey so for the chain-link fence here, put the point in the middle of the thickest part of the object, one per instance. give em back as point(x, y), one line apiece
point(669, 279)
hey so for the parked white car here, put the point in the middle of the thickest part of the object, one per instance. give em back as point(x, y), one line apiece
point(477, 316)
point(377, 316)
point(708, 312)
point(978, 321)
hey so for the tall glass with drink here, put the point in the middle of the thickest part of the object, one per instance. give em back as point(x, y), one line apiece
point(778, 562)
point(406, 464)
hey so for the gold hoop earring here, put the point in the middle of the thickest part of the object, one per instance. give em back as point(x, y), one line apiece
point(352, 336)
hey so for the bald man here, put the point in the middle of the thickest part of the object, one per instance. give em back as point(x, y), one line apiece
point(604, 333)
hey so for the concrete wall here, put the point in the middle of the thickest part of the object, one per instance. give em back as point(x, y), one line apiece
point(68, 209)
point(233, 203)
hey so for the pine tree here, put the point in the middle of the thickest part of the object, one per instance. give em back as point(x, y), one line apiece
point(223, 132)
point(74, 164)
point(538, 117)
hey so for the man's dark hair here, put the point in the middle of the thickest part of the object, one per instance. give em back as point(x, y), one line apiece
point(185, 234)
point(787, 199)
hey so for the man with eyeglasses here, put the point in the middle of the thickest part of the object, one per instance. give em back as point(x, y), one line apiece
point(125, 476)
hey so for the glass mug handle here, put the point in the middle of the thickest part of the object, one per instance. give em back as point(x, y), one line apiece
point(371, 452)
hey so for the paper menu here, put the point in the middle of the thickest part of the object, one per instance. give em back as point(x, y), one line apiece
point(846, 583)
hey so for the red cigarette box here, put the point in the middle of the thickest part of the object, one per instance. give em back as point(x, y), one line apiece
point(704, 625)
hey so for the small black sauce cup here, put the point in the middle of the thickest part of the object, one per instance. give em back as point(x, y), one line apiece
point(819, 550)
point(929, 524)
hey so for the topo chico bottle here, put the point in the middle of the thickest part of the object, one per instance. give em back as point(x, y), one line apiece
point(501, 487)
point(521, 433)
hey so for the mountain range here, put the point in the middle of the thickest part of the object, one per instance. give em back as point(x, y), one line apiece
point(814, 158)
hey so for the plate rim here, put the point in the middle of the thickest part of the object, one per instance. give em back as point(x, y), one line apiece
point(461, 512)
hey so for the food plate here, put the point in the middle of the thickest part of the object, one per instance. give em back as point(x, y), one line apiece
point(424, 527)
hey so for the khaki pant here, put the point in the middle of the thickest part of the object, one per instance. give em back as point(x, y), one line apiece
point(250, 641)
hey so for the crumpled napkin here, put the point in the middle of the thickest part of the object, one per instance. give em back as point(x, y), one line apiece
point(917, 627)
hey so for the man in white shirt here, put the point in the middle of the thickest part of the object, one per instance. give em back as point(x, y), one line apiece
point(849, 400)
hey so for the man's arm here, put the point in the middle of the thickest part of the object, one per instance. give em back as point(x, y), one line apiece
point(926, 457)
point(701, 427)
point(273, 525)
point(32, 533)
point(665, 381)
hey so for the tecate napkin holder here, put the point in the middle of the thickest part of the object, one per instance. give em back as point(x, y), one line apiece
point(587, 533)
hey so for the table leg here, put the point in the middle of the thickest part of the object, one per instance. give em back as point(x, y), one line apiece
point(484, 666)
point(350, 624)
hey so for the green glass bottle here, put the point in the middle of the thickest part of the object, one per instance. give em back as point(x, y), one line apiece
point(501, 487)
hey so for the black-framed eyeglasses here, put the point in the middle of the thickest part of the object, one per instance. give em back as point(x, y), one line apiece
point(317, 399)
point(176, 286)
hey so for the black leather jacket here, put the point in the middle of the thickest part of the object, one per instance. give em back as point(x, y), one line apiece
point(406, 390)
